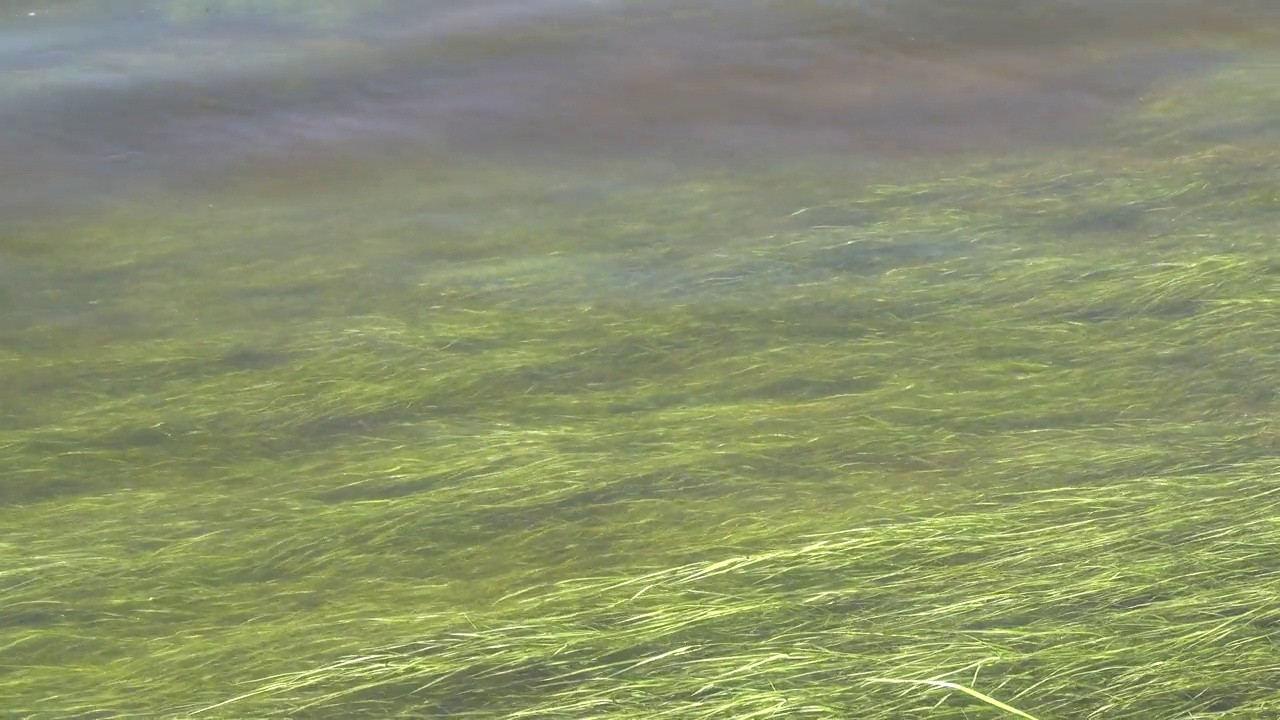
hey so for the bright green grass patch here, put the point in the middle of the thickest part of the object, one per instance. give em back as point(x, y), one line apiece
point(1006, 436)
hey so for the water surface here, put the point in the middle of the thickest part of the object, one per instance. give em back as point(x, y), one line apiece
point(341, 340)
point(426, 123)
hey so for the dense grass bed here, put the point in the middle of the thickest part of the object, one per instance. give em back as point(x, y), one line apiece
point(1012, 428)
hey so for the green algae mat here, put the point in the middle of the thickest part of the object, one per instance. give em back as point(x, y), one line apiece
point(1000, 441)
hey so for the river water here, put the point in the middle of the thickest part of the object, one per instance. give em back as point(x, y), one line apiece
point(327, 323)
point(101, 96)
point(306, 113)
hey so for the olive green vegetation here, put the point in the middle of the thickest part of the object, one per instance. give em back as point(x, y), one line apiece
point(999, 443)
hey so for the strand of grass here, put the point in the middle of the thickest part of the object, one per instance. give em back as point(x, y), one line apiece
point(956, 686)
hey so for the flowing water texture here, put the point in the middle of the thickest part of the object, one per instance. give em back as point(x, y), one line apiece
point(639, 358)
point(312, 110)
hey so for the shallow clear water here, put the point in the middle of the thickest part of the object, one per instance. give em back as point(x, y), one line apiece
point(100, 98)
point(335, 120)
point(327, 325)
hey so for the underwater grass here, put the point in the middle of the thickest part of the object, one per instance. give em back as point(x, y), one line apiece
point(967, 691)
point(1155, 594)
point(1008, 432)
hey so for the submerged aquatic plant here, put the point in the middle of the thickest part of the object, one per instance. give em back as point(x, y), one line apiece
point(812, 476)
